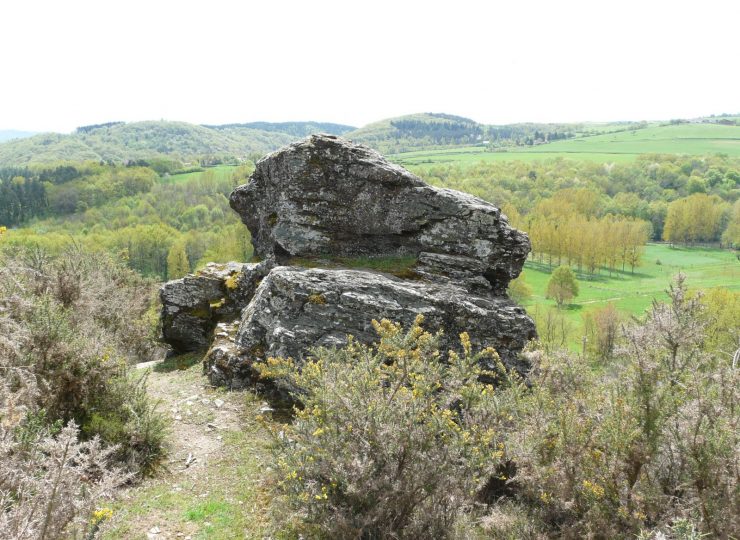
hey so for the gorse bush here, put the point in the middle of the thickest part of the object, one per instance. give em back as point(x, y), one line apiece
point(645, 445)
point(50, 483)
point(401, 441)
point(390, 441)
point(74, 324)
point(602, 331)
point(72, 409)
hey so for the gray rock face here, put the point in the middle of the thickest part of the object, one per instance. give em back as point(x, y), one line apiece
point(296, 309)
point(193, 305)
point(326, 196)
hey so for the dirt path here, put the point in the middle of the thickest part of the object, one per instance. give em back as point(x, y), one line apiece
point(210, 483)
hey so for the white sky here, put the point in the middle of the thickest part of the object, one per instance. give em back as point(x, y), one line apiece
point(66, 63)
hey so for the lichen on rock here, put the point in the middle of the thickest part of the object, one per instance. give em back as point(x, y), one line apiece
point(325, 195)
point(193, 306)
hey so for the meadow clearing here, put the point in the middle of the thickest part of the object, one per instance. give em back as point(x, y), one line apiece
point(690, 139)
point(632, 294)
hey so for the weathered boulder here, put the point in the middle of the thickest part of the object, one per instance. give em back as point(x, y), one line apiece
point(327, 196)
point(193, 305)
point(295, 309)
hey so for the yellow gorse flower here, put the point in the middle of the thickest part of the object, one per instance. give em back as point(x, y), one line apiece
point(593, 489)
point(101, 514)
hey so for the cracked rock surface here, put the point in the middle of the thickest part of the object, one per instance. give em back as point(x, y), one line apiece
point(193, 305)
point(295, 309)
point(325, 195)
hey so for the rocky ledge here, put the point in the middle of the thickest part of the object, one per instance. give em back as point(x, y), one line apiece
point(295, 309)
point(327, 199)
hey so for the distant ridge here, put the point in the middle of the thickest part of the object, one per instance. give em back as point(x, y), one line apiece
point(297, 129)
point(120, 142)
point(10, 134)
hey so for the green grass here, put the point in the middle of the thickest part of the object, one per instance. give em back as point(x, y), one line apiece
point(220, 172)
point(233, 506)
point(179, 362)
point(476, 154)
point(673, 139)
point(692, 139)
point(401, 266)
point(633, 293)
point(227, 500)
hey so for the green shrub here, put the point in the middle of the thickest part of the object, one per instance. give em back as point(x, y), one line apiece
point(562, 286)
point(650, 443)
point(519, 290)
point(389, 442)
point(70, 327)
point(126, 417)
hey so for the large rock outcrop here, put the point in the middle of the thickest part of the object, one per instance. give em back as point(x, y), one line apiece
point(295, 309)
point(326, 196)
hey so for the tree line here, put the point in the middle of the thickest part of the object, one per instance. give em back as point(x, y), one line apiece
point(641, 190)
point(697, 218)
point(566, 230)
point(172, 229)
point(27, 193)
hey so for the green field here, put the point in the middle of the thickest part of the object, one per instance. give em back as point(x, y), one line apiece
point(476, 154)
point(704, 268)
point(220, 172)
point(691, 139)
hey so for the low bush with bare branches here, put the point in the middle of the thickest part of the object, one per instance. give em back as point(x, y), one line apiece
point(75, 420)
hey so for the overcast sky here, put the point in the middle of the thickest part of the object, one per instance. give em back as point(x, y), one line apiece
point(67, 63)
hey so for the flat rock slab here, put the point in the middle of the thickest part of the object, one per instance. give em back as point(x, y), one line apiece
point(327, 196)
point(295, 309)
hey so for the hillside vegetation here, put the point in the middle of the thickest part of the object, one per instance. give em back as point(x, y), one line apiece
point(644, 189)
point(439, 131)
point(415, 138)
point(166, 229)
point(119, 142)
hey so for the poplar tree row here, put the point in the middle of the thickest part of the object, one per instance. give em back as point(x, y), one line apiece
point(589, 243)
point(560, 234)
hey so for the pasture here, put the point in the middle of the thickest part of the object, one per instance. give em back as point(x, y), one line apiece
point(219, 172)
point(689, 139)
point(633, 293)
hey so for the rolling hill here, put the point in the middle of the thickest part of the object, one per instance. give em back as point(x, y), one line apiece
point(119, 141)
point(433, 131)
point(412, 139)
point(419, 130)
